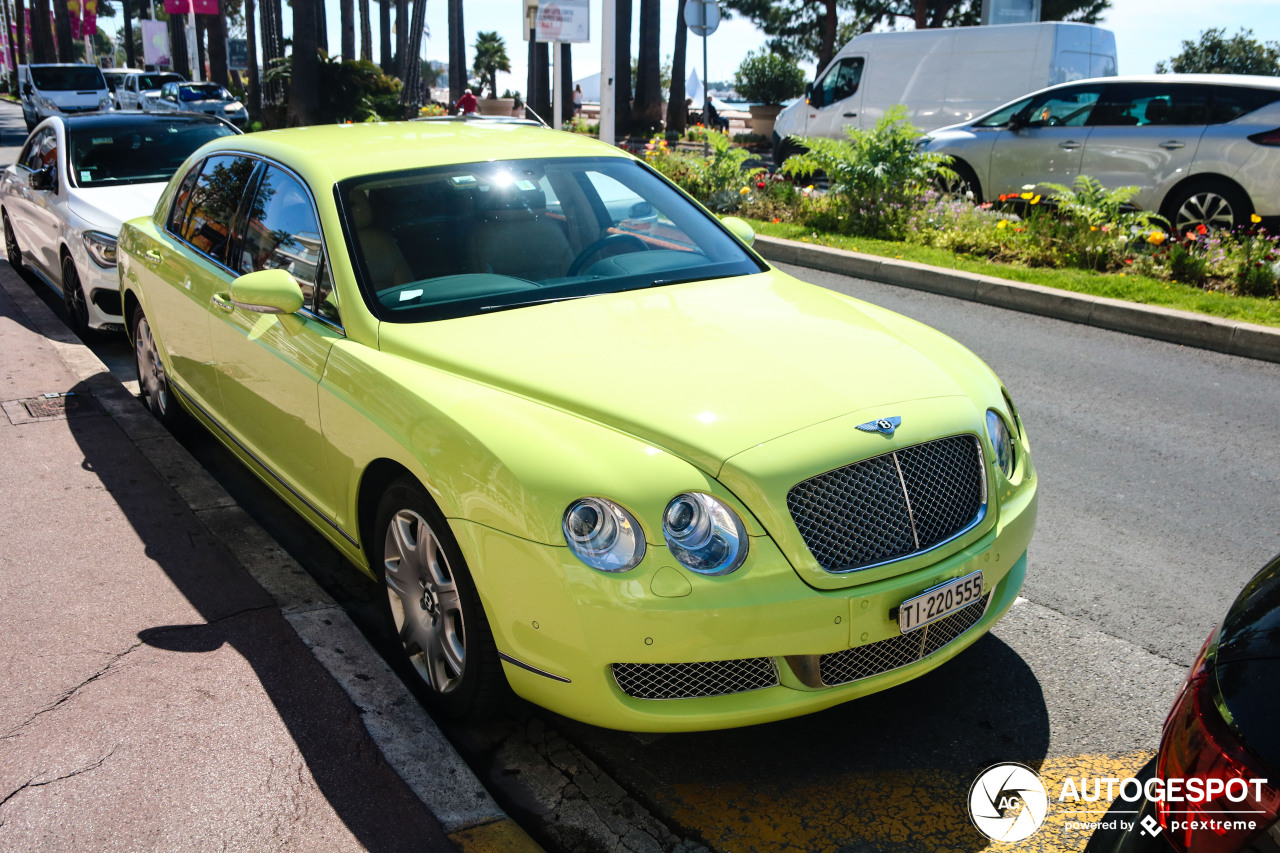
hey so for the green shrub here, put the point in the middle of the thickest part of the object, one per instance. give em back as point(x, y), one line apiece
point(1188, 264)
point(767, 78)
point(720, 180)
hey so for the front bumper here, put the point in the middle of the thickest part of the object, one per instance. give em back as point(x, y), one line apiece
point(561, 626)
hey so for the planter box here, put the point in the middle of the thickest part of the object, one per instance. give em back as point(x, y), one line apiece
point(762, 119)
point(495, 106)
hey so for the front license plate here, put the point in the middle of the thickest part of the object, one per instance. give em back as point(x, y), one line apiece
point(942, 600)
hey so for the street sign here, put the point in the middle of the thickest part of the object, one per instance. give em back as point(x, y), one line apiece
point(563, 21)
point(702, 16)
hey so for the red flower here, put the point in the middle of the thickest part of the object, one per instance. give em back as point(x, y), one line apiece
point(1128, 260)
point(760, 184)
point(1200, 229)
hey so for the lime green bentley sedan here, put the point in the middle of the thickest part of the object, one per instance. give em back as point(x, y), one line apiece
point(597, 450)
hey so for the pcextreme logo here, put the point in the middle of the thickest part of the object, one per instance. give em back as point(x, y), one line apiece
point(1008, 802)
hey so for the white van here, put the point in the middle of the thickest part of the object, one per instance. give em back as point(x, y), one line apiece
point(61, 88)
point(942, 76)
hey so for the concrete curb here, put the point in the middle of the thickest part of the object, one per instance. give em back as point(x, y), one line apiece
point(408, 738)
point(1166, 324)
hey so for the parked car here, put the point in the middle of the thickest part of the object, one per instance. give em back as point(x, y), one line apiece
point(941, 76)
point(627, 468)
point(1201, 148)
point(141, 91)
point(209, 98)
point(61, 89)
point(114, 77)
point(1221, 735)
point(76, 179)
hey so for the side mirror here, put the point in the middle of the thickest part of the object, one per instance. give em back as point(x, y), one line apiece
point(43, 179)
point(740, 229)
point(267, 292)
point(27, 90)
point(1017, 121)
point(813, 94)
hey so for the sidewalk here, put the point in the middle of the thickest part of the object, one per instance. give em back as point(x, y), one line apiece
point(156, 696)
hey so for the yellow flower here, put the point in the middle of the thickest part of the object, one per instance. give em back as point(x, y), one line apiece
point(1027, 196)
point(1003, 223)
point(743, 191)
point(1156, 238)
point(1093, 227)
point(1255, 218)
point(1036, 200)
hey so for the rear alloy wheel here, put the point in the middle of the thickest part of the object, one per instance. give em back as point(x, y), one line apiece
point(433, 607)
point(153, 382)
point(1213, 204)
point(74, 298)
point(11, 250)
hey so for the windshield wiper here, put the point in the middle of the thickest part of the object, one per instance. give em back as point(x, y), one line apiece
point(504, 306)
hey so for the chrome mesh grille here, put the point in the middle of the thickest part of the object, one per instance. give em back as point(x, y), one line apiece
point(690, 680)
point(895, 652)
point(860, 515)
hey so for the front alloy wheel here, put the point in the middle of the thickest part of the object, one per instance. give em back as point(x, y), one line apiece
point(433, 607)
point(1213, 205)
point(73, 297)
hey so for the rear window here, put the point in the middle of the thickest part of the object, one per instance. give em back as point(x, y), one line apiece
point(1231, 102)
point(67, 79)
point(136, 151)
point(155, 81)
point(210, 91)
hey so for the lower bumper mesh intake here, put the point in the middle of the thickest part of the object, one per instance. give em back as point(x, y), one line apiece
point(691, 680)
point(896, 652)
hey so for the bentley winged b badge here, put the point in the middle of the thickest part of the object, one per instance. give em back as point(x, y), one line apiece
point(884, 426)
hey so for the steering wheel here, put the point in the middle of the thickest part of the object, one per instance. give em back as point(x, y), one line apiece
point(593, 249)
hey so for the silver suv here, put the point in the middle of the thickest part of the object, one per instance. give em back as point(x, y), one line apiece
point(1201, 148)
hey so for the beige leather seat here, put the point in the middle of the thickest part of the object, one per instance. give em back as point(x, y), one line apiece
point(382, 257)
point(515, 236)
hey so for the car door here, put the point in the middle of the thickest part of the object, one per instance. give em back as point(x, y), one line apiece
point(1146, 135)
point(836, 99)
point(1043, 143)
point(127, 93)
point(188, 265)
point(270, 365)
point(36, 223)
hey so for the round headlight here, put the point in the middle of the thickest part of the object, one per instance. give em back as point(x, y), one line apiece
point(703, 534)
point(1001, 442)
point(603, 535)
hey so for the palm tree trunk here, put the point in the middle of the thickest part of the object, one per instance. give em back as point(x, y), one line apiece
point(304, 88)
point(322, 27)
point(22, 32)
point(130, 56)
point(648, 107)
point(622, 71)
point(565, 96)
point(384, 36)
point(253, 82)
point(366, 32)
point(402, 38)
point(201, 56)
point(62, 31)
point(410, 95)
point(347, 21)
point(677, 110)
point(179, 60)
point(42, 47)
point(216, 26)
point(457, 52)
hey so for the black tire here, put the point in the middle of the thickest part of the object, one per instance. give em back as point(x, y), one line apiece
point(966, 181)
point(153, 382)
point(73, 297)
point(1213, 203)
point(11, 249)
point(431, 606)
point(785, 148)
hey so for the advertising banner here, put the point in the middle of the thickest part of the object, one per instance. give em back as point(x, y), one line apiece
point(181, 7)
point(564, 21)
point(155, 44)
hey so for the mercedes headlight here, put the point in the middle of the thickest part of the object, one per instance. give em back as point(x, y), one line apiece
point(106, 103)
point(233, 107)
point(1001, 442)
point(703, 534)
point(603, 535)
point(101, 247)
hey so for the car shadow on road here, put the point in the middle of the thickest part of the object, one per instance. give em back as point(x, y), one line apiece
point(348, 769)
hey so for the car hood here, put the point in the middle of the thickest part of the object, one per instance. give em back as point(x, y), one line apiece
point(704, 370)
point(108, 208)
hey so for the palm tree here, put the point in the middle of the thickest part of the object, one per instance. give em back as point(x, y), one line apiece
point(402, 38)
point(491, 57)
point(366, 32)
point(677, 112)
point(457, 52)
point(304, 85)
point(347, 17)
point(62, 31)
point(253, 84)
point(384, 36)
point(622, 69)
point(42, 47)
point(648, 106)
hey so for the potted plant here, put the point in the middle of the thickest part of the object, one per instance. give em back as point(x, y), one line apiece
point(491, 57)
point(517, 102)
point(767, 80)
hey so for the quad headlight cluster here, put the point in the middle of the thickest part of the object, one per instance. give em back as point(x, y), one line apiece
point(1001, 442)
point(703, 533)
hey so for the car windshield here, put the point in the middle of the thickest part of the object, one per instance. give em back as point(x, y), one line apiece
point(454, 241)
point(205, 92)
point(66, 78)
point(155, 81)
point(140, 150)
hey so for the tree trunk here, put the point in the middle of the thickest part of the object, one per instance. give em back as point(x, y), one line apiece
point(648, 106)
point(201, 55)
point(322, 27)
point(830, 22)
point(402, 38)
point(253, 82)
point(384, 36)
point(677, 110)
point(21, 23)
point(622, 72)
point(565, 96)
point(457, 52)
point(130, 55)
point(42, 47)
point(178, 58)
point(216, 26)
point(922, 12)
point(304, 88)
point(347, 22)
point(366, 32)
point(62, 31)
point(411, 95)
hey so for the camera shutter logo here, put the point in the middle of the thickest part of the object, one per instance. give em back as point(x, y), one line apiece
point(1008, 802)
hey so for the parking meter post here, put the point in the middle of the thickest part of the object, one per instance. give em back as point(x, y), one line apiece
point(706, 98)
point(608, 64)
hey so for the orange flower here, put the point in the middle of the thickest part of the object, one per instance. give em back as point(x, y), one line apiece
point(1201, 229)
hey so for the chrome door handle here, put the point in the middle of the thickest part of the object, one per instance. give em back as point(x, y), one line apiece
point(1070, 145)
point(222, 301)
point(1172, 145)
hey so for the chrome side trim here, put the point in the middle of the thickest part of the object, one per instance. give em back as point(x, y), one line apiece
point(326, 519)
point(509, 659)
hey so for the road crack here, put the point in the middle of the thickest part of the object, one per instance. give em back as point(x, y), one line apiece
point(33, 783)
point(70, 693)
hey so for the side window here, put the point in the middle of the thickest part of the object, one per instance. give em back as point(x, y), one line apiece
point(1231, 102)
point(215, 198)
point(1001, 117)
point(1070, 107)
point(41, 151)
point(282, 232)
point(182, 198)
point(1142, 104)
point(841, 81)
